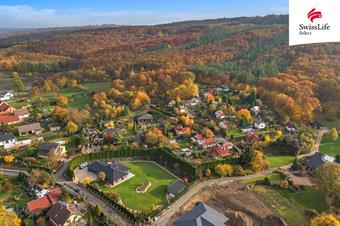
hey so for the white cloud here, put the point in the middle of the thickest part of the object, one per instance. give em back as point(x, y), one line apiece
point(24, 16)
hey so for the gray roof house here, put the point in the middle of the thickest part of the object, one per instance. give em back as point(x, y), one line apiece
point(317, 160)
point(176, 187)
point(201, 215)
point(33, 128)
point(114, 172)
point(7, 138)
point(145, 119)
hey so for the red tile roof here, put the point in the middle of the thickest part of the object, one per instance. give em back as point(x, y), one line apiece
point(38, 205)
point(4, 106)
point(199, 137)
point(209, 141)
point(8, 119)
point(220, 151)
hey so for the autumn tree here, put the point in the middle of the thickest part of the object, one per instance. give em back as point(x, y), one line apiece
point(62, 101)
point(86, 180)
point(71, 127)
point(224, 169)
point(207, 133)
point(8, 218)
point(334, 134)
point(325, 220)
point(9, 159)
point(154, 136)
point(322, 178)
point(243, 113)
point(40, 178)
point(15, 74)
point(102, 176)
point(257, 162)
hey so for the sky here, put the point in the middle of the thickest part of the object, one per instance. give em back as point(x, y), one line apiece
point(60, 13)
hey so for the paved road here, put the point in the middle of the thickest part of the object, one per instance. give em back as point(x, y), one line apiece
point(11, 172)
point(164, 219)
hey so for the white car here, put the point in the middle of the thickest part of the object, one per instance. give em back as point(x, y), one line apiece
point(83, 165)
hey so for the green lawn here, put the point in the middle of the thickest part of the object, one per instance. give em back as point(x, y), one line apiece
point(156, 194)
point(270, 176)
point(329, 146)
point(97, 86)
point(309, 198)
point(11, 194)
point(330, 123)
point(279, 160)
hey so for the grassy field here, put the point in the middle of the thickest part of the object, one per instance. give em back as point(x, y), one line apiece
point(97, 86)
point(271, 177)
point(330, 123)
point(156, 194)
point(292, 213)
point(329, 146)
point(278, 160)
point(11, 194)
point(309, 198)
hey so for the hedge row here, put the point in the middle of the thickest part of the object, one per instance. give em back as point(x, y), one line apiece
point(162, 154)
point(113, 203)
point(156, 153)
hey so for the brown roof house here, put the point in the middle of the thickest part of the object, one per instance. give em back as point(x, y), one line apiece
point(145, 119)
point(49, 149)
point(21, 113)
point(64, 214)
point(33, 128)
point(5, 109)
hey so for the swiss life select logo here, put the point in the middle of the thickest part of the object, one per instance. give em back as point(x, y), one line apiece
point(314, 21)
point(312, 15)
point(308, 29)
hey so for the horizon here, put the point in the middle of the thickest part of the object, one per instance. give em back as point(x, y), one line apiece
point(24, 14)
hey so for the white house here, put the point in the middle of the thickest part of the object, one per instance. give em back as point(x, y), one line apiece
point(171, 103)
point(7, 138)
point(255, 109)
point(259, 125)
point(219, 115)
point(5, 95)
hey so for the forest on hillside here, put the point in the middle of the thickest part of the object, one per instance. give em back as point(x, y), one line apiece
point(167, 61)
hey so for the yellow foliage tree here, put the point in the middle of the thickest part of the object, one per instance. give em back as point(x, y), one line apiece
point(325, 220)
point(9, 159)
point(8, 218)
point(208, 133)
point(71, 127)
point(257, 162)
point(86, 180)
point(102, 176)
point(224, 169)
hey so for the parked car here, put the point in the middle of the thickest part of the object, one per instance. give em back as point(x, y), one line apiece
point(83, 165)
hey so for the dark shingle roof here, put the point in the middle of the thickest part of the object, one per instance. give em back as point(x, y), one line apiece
point(176, 187)
point(60, 212)
point(201, 215)
point(47, 147)
point(114, 171)
point(6, 137)
point(317, 160)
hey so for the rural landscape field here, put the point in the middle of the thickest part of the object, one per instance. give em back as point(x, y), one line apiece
point(179, 122)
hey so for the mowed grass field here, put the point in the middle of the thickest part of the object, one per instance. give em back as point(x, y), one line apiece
point(279, 160)
point(78, 98)
point(329, 146)
point(155, 195)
